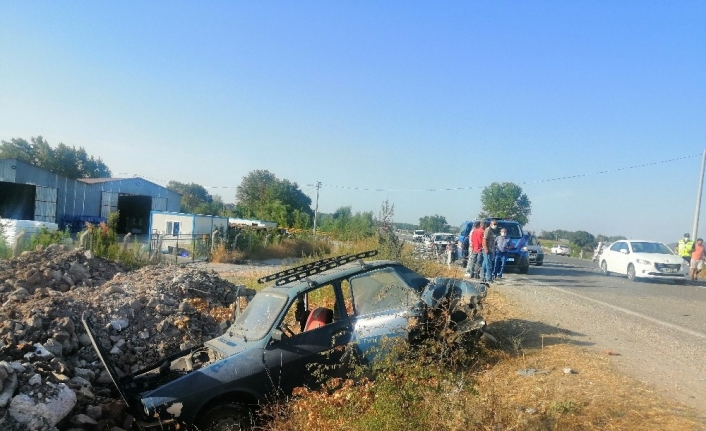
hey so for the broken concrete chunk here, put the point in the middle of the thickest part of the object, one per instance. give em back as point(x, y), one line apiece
point(53, 346)
point(82, 420)
point(9, 387)
point(24, 409)
point(119, 324)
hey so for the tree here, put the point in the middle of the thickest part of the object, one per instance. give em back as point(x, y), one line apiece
point(507, 201)
point(192, 195)
point(262, 195)
point(64, 160)
point(431, 224)
point(582, 239)
point(389, 244)
point(345, 225)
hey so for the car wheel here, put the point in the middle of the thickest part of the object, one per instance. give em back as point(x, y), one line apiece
point(631, 272)
point(226, 417)
point(604, 268)
point(524, 269)
point(540, 263)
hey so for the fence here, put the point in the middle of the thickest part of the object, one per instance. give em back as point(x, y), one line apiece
point(181, 248)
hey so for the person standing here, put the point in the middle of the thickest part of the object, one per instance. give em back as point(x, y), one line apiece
point(475, 258)
point(684, 247)
point(489, 250)
point(502, 244)
point(697, 259)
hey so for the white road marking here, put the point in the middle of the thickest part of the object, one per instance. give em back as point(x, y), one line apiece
point(621, 309)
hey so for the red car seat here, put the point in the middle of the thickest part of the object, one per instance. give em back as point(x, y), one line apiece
point(318, 318)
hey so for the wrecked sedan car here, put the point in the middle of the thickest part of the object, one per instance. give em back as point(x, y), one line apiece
point(308, 319)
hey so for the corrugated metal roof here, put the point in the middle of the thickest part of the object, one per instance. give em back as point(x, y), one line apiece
point(103, 180)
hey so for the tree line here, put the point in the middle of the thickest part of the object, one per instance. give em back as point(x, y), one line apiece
point(261, 195)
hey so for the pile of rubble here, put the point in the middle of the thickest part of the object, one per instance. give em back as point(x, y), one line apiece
point(50, 376)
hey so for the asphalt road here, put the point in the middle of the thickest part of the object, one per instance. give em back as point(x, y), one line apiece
point(657, 330)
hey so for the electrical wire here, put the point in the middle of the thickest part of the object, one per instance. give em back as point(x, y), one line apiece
point(310, 187)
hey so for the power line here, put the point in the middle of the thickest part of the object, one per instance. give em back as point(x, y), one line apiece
point(450, 189)
point(568, 177)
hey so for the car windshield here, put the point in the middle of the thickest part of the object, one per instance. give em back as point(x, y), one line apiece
point(444, 238)
point(419, 232)
point(650, 247)
point(259, 316)
point(513, 229)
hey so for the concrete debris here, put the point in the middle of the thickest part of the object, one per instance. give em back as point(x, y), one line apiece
point(50, 376)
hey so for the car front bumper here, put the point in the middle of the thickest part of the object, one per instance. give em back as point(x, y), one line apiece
point(516, 260)
point(535, 257)
point(662, 271)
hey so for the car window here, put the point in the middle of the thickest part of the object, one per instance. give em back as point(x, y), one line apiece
point(315, 305)
point(381, 290)
point(650, 247)
point(414, 280)
point(616, 246)
point(259, 316)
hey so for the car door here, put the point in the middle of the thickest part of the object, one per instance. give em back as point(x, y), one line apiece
point(308, 349)
point(383, 304)
point(620, 255)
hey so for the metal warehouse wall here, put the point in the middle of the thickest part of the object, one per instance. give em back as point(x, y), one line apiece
point(135, 186)
point(77, 198)
point(70, 194)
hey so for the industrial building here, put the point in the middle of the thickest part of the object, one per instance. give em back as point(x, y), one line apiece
point(29, 192)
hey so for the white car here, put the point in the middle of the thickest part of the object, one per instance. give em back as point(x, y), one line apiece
point(560, 249)
point(441, 239)
point(418, 235)
point(643, 259)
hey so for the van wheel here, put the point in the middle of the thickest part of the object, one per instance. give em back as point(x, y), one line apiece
point(226, 417)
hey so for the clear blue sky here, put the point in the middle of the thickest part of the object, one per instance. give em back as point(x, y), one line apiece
point(398, 96)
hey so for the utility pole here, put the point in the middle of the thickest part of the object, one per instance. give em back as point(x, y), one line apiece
point(316, 208)
point(695, 229)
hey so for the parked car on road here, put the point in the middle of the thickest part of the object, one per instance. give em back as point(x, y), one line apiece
point(560, 249)
point(534, 250)
point(441, 239)
point(643, 259)
point(305, 322)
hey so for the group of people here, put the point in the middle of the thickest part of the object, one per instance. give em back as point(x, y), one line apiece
point(488, 250)
point(693, 253)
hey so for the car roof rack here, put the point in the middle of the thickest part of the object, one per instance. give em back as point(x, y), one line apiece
point(319, 266)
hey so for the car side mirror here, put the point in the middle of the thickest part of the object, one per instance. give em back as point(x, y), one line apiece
point(277, 335)
point(623, 251)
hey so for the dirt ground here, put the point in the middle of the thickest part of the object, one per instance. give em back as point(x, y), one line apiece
point(541, 368)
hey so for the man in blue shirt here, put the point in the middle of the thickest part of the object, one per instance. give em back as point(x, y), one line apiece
point(502, 244)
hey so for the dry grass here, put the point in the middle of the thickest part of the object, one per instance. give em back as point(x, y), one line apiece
point(287, 248)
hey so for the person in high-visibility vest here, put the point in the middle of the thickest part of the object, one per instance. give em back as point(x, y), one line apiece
point(684, 247)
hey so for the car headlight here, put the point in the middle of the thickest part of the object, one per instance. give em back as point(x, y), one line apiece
point(524, 248)
point(643, 262)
